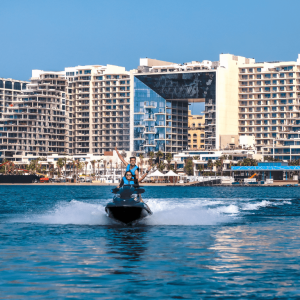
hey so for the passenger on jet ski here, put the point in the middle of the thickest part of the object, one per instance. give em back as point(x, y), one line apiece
point(132, 167)
point(128, 179)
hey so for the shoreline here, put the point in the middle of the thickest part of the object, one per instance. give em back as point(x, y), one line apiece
point(283, 184)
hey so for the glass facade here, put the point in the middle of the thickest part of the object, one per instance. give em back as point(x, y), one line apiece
point(161, 109)
point(149, 119)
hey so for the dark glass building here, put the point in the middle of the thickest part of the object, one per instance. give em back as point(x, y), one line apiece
point(161, 108)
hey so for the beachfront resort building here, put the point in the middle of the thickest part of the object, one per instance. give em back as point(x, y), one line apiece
point(98, 100)
point(162, 92)
point(92, 109)
point(196, 131)
point(33, 119)
point(269, 107)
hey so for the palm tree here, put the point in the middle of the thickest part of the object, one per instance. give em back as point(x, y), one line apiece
point(93, 165)
point(60, 164)
point(218, 164)
point(159, 154)
point(110, 161)
point(98, 165)
point(65, 165)
point(86, 163)
point(210, 165)
point(51, 167)
point(151, 155)
point(161, 166)
point(70, 164)
point(76, 167)
point(169, 159)
point(104, 163)
point(200, 168)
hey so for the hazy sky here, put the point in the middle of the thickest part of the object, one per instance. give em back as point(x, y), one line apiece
point(51, 35)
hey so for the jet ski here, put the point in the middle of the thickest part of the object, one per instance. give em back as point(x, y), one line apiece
point(126, 207)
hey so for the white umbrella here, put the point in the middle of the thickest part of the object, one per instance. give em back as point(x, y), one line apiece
point(157, 173)
point(171, 173)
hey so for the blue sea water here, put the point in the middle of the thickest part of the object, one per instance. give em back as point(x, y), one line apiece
point(200, 243)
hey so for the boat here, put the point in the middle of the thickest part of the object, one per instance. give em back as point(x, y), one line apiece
point(126, 208)
point(19, 178)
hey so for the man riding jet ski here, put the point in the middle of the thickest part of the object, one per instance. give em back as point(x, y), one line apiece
point(127, 207)
point(132, 167)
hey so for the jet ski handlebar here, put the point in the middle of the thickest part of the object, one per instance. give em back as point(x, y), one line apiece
point(133, 188)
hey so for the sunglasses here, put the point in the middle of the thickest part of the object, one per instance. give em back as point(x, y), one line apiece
point(128, 174)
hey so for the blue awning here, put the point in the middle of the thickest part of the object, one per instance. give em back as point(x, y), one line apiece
point(266, 168)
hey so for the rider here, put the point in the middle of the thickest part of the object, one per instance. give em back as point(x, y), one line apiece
point(128, 178)
point(132, 167)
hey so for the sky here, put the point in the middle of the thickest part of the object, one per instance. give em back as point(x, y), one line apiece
point(52, 35)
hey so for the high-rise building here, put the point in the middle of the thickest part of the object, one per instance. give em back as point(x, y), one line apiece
point(196, 131)
point(98, 104)
point(34, 120)
point(9, 90)
point(269, 107)
point(162, 92)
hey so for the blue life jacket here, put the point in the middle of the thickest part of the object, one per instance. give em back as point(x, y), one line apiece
point(127, 182)
point(132, 170)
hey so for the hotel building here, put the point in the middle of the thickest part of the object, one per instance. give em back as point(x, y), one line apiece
point(269, 107)
point(98, 103)
point(34, 120)
point(162, 91)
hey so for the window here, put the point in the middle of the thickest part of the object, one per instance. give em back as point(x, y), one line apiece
point(87, 71)
point(17, 86)
point(267, 75)
point(274, 88)
point(258, 69)
point(8, 85)
point(1, 84)
point(258, 76)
